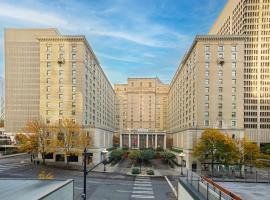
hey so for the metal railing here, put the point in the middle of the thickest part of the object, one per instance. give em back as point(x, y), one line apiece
point(208, 189)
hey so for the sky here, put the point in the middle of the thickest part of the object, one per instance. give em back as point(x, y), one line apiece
point(131, 38)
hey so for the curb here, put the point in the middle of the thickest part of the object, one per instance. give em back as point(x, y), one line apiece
point(171, 186)
point(12, 155)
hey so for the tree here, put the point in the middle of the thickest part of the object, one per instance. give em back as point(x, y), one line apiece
point(117, 154)
point(38, 138)
point(45, 175)
point(116, 140)
point(148, 154)
point(70, 139)
point(136, 156)
point(216, 147)
point(27, 143)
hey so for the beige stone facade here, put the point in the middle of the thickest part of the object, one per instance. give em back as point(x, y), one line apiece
point(22, 80)
point(251, 18)
point(207, 91)
point(141, 107)
point(68, 82)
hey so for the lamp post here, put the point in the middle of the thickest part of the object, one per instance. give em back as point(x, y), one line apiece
point(182, 155)
point(104, 153)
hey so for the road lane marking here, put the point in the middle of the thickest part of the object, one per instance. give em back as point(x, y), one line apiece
point(143, 192)
point(142, 197)
point(142, 188)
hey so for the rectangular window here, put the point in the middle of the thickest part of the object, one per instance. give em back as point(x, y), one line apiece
point(233, 98)
point(61, 96)
point(221, 48)
point(220, 97)
point(60, 112)
point(207, 65)
point(233, 123)
point(61, 72)
point(61, 56)
point(234, 73)
point(61, 89)
point(207, 73)
point(61, 48)
point(233, 89)
point(73, 80)
point(48, 89)
point(73, 96)
point(48, 65)
point(234, 48)
point(220, 55)
point(234, 81)
point(234, 106)
point(48, 80)
point(220, 73)
point(220, 106)
point(73, 104)
point(48, 56)
point(48, 96)
point(73, 88)
point(207, 90)
point(206, 122)
point(60, 104)
point(219, 114)
point(48, 105)
point(220, 81)
point(233, 56)
point(48, 72)
point(206, 97)
point(73, 48)
point(233, 114)
point(207, 48)
point(207, 56)
point(73, 65)
point(49, 48)
point(61, 80)
point(73, 56)
point(220, 89)
point(234, 66)
point(73, 72)
point(206, 81)
point(206, 105)
point(206, 114)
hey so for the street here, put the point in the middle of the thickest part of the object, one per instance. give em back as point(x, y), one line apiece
point(100, 186)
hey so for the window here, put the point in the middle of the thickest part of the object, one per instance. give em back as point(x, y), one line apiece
point(219, 114)
point(233, 123)
point(48, 56)
point(233, 66)
point(220, 89)
point(234, 73)
point(207, 48)
point(61, 55)
point(73, 96)
point(221, 48)
point(48, 72)
point(207, 65)
point(48, 89)
point(206, 122)
point(233, 114)
point(234, 81)
point(233, 97)
point(206, 114)
point(206, 105)
point(233, 105)
point(60, 104)
point(61, 48)
point(48, 96)
point(207, 56)
point(48, 80)
point(61, 96)
point(73, 48)
point(233, 48)
point(73, 104)
point(73, 72)
point(73, 112)
point(73, 88)
point(61, 80)
point(207, 90)
point(220, 81)
point(220, 55)
point(233, 56)
point(73, 65)
point(73, 80)
point(61, 89)
point(206, 97)
point(47, 104)
point(233, 89)
point(207, 81)
point(60, 112)
point(220, 73)
point(48, 65)
point(61, 72)
point(49, 48)
point(220, 106)
point(220, 97)
point(73, 56)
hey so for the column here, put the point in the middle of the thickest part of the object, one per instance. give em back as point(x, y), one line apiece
point(129, 141)
point(156, 141)
point(164, 144)
point(146, 140)
point(138, 141)
point(121, 142)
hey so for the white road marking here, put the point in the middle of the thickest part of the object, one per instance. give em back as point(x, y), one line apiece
point(142, 192)
point(142, 197)
point(142, 188)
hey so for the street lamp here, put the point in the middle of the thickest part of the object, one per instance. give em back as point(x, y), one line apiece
point(182, 155)
point(104, 153)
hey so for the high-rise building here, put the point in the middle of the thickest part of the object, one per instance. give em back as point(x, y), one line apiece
point(141, 111)
point(22, 72)
point(2, 99)
point(252, 19)
point(207, 92)
point(67, 81)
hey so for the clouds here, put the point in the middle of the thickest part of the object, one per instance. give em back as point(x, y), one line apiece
point(129, 37)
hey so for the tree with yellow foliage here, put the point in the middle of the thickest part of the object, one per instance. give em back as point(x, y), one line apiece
point(70, 138)
point(36, 138)
point(216, 147)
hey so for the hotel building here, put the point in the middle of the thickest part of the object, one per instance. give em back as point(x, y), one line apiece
point(207, 92)
point(141, 107)
point(67, 82)
point(252, 19)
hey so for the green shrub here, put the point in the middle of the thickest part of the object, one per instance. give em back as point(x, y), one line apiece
point(168, 156)
point(117, 154)
point(135, 155)
point(150, 172)
point(160, 149)
point(135, 170)
point(148, 154)
point(125, 148)
point(176, 149)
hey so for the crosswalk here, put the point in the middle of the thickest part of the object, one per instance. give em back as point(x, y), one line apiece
point(142, 188)
point(8, 166)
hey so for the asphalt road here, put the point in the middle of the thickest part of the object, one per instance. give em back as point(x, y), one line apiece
point(100, 186)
